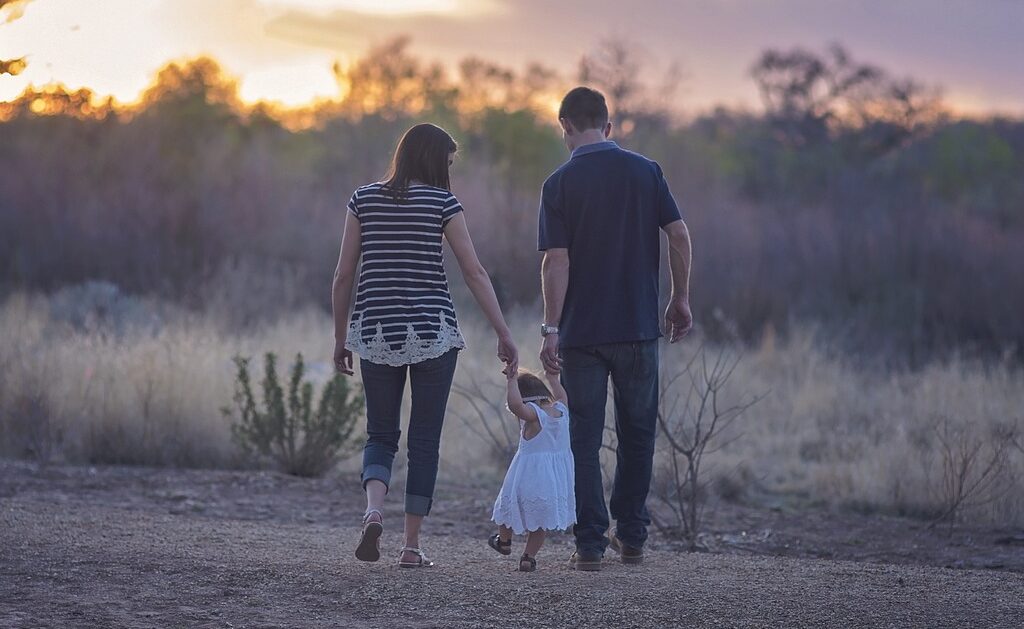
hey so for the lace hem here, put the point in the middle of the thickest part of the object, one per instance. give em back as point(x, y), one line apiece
point(412, 350)
point(525, 514)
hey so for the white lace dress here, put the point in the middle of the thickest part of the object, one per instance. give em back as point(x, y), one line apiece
point(538, 492)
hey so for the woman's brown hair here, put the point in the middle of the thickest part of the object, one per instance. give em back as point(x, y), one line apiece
point(532, 386)
point(422, 155)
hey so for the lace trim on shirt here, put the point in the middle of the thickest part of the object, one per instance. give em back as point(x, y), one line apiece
point(412, 350)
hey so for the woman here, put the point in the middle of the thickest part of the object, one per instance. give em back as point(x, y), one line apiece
point(403, 321)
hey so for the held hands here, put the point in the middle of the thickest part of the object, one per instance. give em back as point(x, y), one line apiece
point(678, 318)
point(342, 358)
point(508, 354)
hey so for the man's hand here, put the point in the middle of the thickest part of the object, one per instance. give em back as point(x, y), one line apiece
point(678, 318)
point(549, 354)
point(342, 358)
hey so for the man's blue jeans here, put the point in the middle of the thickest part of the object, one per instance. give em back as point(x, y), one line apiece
point(384, 385)
point(633, 368)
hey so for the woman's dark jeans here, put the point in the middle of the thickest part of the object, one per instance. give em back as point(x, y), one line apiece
point(633, 369)
point(384, 385)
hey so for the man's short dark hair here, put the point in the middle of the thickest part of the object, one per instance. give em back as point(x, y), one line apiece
point(584, 108)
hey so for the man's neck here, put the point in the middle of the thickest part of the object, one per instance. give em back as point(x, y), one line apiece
point(590, 136)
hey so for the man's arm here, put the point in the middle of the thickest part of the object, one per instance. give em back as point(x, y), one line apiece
point(554, 283)
point(678, 318)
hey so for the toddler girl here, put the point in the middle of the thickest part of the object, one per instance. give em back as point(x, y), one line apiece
point(538, 492)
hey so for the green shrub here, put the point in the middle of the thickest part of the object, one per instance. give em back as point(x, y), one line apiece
point(287, 430)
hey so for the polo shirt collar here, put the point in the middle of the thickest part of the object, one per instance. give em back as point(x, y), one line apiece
point(593, 148)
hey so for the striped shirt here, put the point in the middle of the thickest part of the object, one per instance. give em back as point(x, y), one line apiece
point(403, 312)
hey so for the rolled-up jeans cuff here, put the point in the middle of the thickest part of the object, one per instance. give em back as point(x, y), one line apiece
point(417, 505)
point(375, 471)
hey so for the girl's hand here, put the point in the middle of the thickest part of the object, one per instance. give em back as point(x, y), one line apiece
point(507, 352)
point(342, 358)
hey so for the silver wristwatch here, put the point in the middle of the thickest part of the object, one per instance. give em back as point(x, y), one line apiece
point(546, 329)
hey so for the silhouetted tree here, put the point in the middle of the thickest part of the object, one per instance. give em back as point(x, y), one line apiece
point(619, 69)
point(810, 97)
point(390, 82)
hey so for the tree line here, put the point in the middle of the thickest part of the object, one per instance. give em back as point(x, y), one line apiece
point(854, 200)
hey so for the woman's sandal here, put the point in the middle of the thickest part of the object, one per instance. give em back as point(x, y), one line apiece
point(369, 541)
point(527, 563)
point(494, 541)
point(421, 559)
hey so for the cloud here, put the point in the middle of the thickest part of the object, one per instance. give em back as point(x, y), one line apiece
point(233, 30)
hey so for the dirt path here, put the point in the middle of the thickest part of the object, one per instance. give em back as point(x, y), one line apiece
point(169, 549)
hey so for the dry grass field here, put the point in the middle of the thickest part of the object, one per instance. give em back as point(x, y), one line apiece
point(140, 382)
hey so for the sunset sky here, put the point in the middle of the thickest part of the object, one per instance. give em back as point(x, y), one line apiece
point(283, 49)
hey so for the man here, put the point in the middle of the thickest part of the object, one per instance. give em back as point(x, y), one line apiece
point(601, 218)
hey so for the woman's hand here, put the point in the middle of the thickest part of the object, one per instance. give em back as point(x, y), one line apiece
point(342, 358)
point(507, 352)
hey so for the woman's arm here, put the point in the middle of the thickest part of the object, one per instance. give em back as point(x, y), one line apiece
point(556, 387)
point(514, 399)
point(479, 284)
point(341, 291)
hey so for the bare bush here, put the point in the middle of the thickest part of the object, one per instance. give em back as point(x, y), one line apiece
point(33, 431)
point(486, 416)
point(694, 424)
point(304, 441)
point(974, 466)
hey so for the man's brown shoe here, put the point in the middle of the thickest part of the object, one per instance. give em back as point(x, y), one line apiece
point(585, 562)
point(629, 554)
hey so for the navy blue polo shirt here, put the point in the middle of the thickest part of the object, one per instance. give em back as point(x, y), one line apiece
point(607, 206)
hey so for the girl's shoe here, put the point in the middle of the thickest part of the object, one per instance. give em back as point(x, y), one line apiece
point(421, 559)
point(369, 541)
point(527, 563)
point(494, 541)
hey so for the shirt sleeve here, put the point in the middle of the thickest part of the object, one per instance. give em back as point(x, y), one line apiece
point(668, 211)
point(450, 209)
point(552, 230)
point(353, 208)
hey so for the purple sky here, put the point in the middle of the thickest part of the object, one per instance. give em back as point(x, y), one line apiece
point(973, 48)
point(283, 49)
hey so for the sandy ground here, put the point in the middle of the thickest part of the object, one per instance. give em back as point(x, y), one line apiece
point(136, 547)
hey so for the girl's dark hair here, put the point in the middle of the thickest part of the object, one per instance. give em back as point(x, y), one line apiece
point(532, 386)
point(422, 155)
